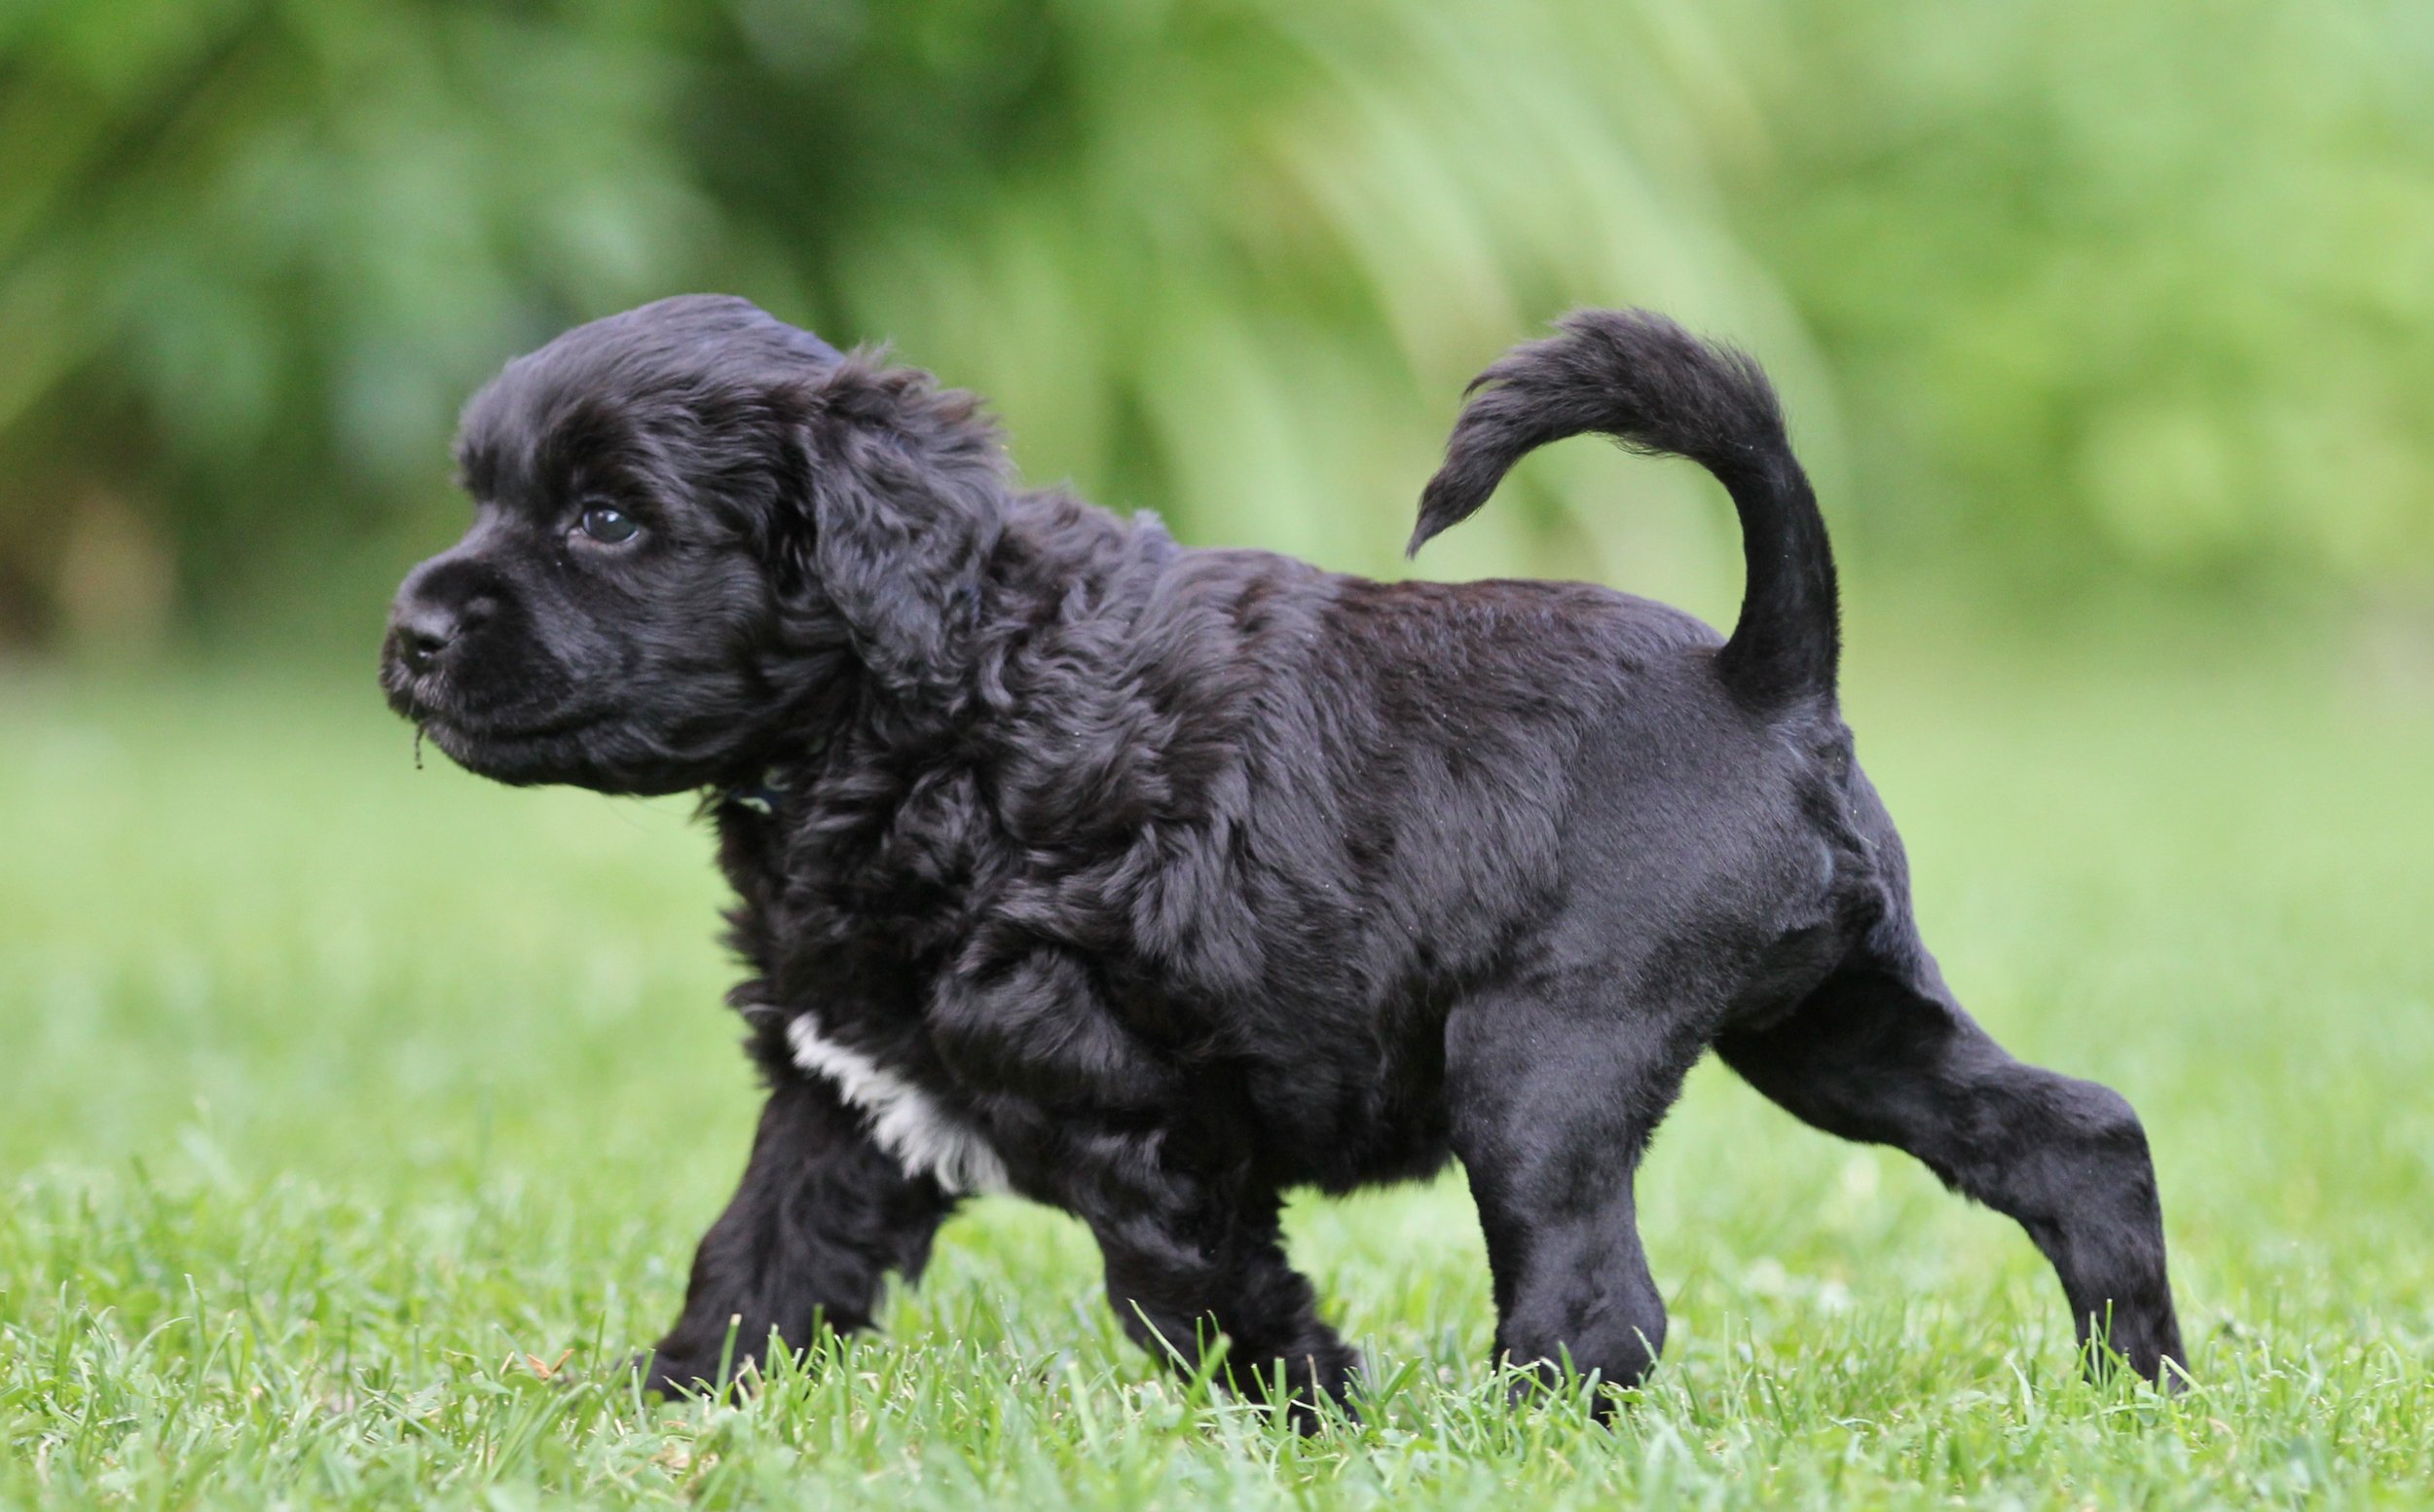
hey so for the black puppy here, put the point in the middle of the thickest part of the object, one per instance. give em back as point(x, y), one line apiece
point(1152, 882)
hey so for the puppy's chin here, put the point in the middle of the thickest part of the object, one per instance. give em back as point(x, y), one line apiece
point(527, 748)
point(599, 756)
point(519, 760)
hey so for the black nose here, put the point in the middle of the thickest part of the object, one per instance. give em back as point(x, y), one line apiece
point(424, 632)
point(441, 609)
point(426, 629)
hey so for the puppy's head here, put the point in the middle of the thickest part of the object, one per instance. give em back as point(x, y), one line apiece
point(695, 526)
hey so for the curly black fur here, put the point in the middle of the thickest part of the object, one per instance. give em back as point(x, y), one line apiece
point(1152, 883)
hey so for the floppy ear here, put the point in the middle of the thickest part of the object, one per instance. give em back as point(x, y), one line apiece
point(904, 484)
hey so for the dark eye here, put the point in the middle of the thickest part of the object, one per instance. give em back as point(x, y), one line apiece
point(607, 526)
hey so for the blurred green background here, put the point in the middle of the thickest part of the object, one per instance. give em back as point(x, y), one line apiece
point(2075, 304)
point(325, 1084)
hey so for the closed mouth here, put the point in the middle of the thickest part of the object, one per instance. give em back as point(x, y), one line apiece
point(414, 696)
point(437, 723)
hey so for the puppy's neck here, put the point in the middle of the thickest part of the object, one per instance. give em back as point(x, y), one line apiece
point(761, 796)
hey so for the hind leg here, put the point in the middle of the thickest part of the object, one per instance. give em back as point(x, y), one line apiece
point(1881, 1052)
point(1553, 1100)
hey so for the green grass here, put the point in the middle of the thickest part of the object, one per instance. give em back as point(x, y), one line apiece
point(334, 1093)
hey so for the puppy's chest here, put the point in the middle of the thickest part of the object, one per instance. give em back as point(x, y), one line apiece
point(845, 921)
point(834, 864)
point(925, 963)
point(831, 918)
point(840, 999)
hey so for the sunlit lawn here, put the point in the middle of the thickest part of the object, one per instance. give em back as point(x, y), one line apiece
point(340, 1102)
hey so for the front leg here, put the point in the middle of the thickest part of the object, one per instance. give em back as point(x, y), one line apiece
point(821, 1218)
point(1187, 1263)
point(1191, 1241)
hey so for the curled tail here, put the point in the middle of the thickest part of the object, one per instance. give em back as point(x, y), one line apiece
point(1641, 378)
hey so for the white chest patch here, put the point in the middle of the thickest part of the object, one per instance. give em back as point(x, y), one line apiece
point(905, 1121)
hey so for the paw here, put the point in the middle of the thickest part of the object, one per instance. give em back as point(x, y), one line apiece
point(1297, 1386)
point(674, 1377)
